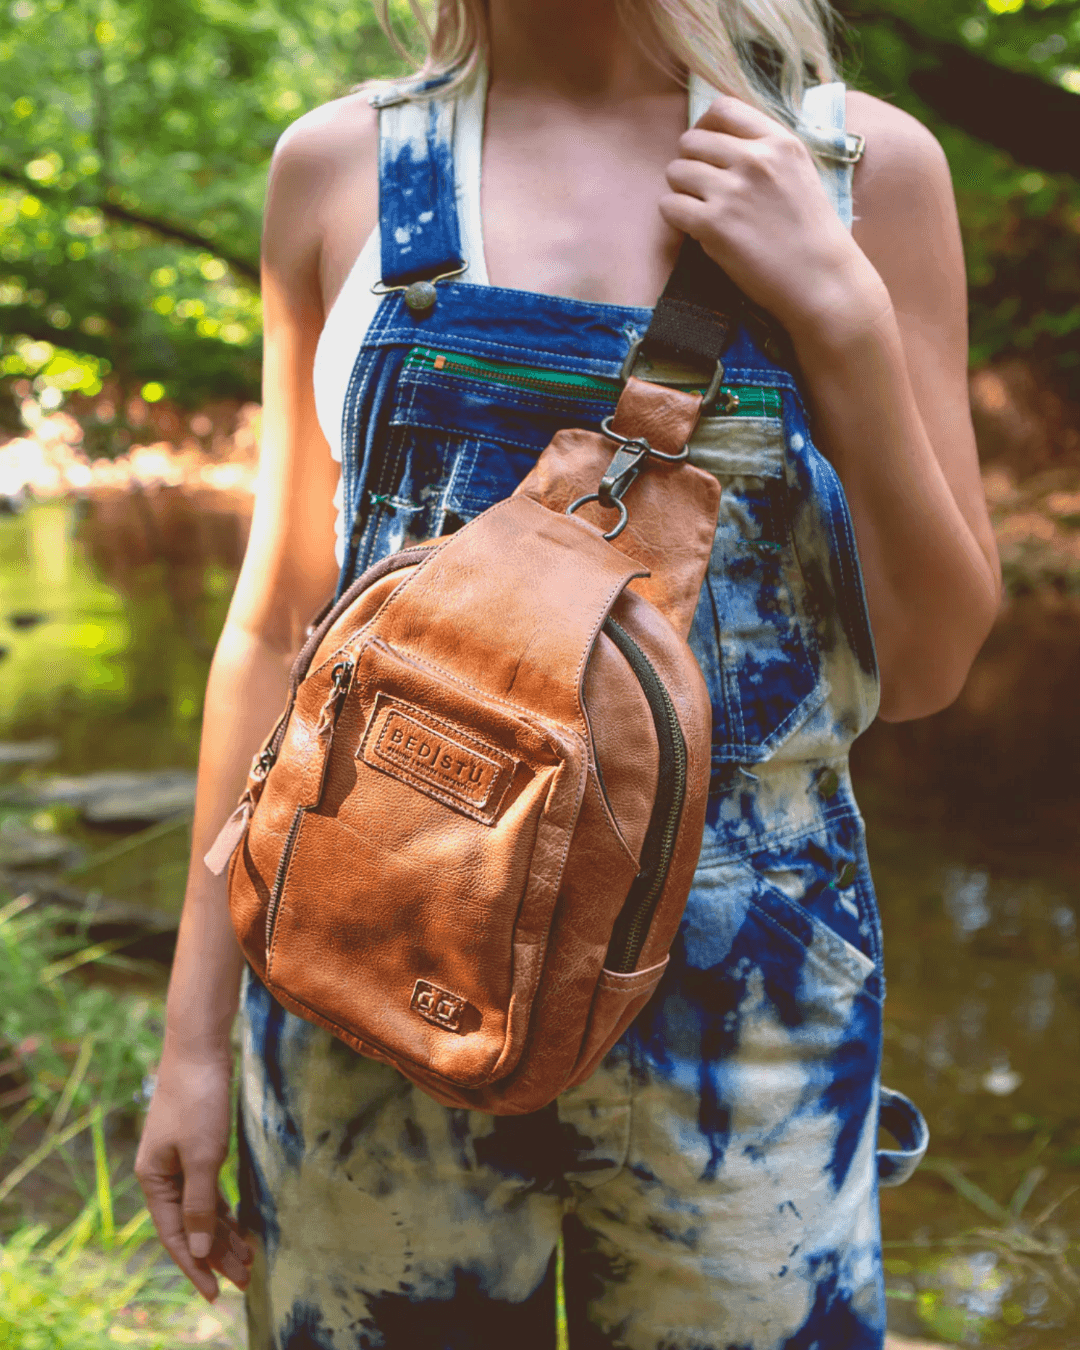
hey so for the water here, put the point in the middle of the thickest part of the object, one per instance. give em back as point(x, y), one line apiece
point(130, 592)
point(977, 865)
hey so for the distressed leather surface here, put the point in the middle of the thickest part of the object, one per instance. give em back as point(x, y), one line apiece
point(436, 861)
point(673, 510)
point(656, 413)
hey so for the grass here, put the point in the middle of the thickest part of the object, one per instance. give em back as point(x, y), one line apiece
point(972, 1288)
point(76, 1062)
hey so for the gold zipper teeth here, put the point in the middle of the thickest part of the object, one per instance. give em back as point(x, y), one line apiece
point(540, 385)
point(667, 848)
point(526, 381)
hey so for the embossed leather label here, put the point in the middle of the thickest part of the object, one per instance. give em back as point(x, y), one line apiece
point(435, 758)
point(438, 1006)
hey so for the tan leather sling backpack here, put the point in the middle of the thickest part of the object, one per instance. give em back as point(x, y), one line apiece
point(467, 845)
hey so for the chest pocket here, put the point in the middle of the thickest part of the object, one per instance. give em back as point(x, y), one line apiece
point(462, 435)
point(753, 631)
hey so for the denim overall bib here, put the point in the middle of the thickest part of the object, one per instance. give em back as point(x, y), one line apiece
point(715, 1182)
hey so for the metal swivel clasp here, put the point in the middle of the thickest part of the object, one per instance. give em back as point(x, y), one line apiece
point(628, 461)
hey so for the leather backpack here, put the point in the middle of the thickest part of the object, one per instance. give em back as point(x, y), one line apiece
point(466, 847)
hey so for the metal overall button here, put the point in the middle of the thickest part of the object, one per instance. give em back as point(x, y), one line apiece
point(420, 295)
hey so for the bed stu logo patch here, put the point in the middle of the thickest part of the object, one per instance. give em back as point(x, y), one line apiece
point(438, 1006)
point(435, 758)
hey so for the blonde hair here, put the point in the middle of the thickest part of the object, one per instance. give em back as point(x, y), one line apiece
point(763, 51)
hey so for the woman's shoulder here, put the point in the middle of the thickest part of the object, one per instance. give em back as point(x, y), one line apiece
point(902, 181)
point(331, 135)
point(905, 214)
point(322, 197)
point(897, 144)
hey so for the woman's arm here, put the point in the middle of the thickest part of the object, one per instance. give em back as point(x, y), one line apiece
point(879, 325)
point(288, 571)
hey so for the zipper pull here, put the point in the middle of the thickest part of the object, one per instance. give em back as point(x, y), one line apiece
point(225, 845)
point(340, 677)
point(262, 764)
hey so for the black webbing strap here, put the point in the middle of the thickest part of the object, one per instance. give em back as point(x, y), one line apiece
point(698, 313)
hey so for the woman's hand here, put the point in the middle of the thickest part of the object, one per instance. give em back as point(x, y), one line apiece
point(879, 326)
point(184, 1142)
point(748, 190)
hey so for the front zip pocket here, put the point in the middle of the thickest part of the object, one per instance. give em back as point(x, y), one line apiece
point(736, 400)
point(409, 901)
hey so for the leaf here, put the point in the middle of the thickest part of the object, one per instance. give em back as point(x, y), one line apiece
point(974, 1194)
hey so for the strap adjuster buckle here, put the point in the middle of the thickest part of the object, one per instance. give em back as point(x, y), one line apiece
point(631, 358)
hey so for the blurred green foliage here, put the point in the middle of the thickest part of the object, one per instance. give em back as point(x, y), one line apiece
point(135, 137)
point(134, 143)
point(1021, 227)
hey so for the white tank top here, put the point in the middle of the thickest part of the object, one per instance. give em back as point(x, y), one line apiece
point(823, 116)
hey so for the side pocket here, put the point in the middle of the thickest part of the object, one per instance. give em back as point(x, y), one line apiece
point(618, 1000)
point(825, 874)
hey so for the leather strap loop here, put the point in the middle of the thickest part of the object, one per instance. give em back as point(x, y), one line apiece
point(663, 416)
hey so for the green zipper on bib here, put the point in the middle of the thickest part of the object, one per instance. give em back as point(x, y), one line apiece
point(753, 400)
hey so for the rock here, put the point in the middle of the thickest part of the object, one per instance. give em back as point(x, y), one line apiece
point(123, 797)
point(27, 752)
point(152, 933)
point(902, 1343)
point(26, 618)
point(21, 847)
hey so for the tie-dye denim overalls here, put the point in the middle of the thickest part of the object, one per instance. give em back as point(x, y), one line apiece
point(716, 1181)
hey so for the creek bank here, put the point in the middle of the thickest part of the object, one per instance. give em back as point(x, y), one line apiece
point(141, 934)
point(41, 862)
point(22, 848)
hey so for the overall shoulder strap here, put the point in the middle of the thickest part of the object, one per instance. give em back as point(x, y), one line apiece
point(700, 309)
point(823, 123)
point(418, 220)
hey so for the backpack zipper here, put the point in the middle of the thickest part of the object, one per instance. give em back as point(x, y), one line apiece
point(732, 400)
point(632, 926)
point(341, 678)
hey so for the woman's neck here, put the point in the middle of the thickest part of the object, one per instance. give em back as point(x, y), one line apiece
point(577, 50)
point(580, 126)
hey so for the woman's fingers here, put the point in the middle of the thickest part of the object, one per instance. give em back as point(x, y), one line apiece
point(200, 1204)
point(689, 214)
point(193, 1221)
point(230, 1243)
point(692, 177)
point(161, 1179)
point(732, 115)
point(711, 147)
point(230, 1254)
